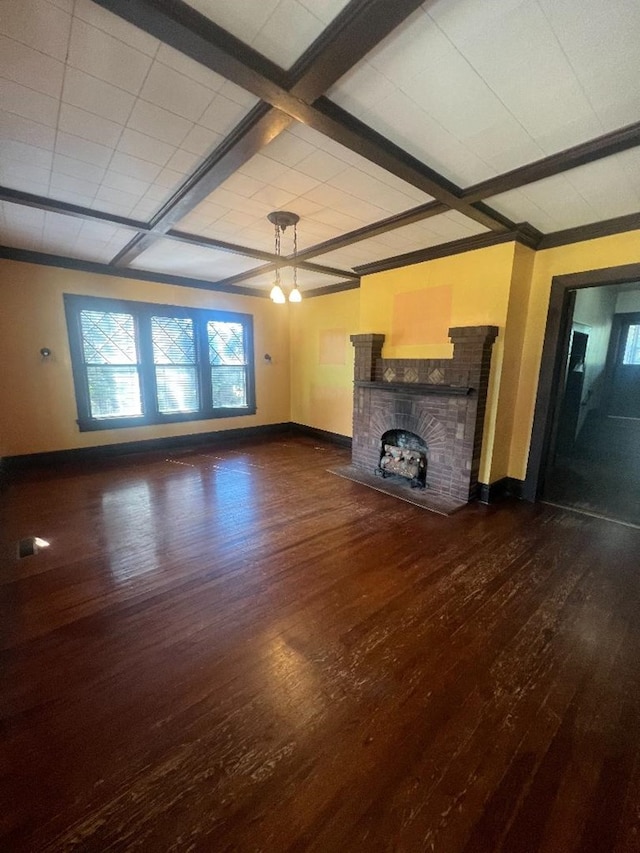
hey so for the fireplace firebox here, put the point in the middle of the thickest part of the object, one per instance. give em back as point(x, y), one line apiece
point(403, 454)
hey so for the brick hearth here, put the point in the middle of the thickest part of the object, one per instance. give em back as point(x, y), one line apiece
point(441, 400)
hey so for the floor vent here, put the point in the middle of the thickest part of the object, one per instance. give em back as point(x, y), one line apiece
point(30, 546)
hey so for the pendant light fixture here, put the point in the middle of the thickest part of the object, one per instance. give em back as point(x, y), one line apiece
point(282, 219)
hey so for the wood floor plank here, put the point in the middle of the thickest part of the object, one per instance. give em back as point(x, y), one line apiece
point(231, 649)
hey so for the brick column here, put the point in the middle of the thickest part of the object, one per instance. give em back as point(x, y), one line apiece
point(368, 348)
point(471, 365)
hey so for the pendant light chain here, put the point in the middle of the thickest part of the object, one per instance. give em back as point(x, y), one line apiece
point(295, 255)
point(283, 219)
point(277, 227)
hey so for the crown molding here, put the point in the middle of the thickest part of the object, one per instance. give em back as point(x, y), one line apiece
point(444, 250)
point(340, 287)
point(43, 259)
point(605, 228)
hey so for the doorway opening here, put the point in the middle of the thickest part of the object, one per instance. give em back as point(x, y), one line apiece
point(587, 445)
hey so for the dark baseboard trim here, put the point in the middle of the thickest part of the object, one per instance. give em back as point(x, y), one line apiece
point(323, 434)
point(507, 487)
point(11, 464)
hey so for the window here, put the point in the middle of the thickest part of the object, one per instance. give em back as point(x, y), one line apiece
point(632, 346)
point(136, 363)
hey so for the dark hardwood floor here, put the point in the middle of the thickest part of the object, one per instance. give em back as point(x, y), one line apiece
point(234, 650)
point(600, 473)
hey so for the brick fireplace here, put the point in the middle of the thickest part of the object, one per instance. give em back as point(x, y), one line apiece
point(442, 401)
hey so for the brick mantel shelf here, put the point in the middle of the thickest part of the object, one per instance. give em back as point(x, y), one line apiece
point(415, 387)
point(442, 401)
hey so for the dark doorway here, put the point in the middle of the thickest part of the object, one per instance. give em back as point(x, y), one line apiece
point(573, 391)
point(589, 455)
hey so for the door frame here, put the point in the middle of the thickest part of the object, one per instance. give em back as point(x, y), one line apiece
point(553, 362)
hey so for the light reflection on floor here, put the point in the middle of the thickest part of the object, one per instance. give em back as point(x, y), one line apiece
point(127, 507)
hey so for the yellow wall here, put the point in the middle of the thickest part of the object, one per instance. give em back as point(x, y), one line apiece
point(578, 257)
point(322, 361)
point(37, 402)
point(309, 379)
point(507, 286)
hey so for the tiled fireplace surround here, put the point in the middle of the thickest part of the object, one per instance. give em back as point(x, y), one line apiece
point(442, 401)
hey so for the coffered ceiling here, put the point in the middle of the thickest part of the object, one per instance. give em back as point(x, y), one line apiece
point(154, 136)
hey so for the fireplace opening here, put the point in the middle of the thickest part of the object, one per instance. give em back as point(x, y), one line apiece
point(403, 454)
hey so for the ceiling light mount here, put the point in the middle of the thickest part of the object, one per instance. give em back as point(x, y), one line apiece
point(281, 220)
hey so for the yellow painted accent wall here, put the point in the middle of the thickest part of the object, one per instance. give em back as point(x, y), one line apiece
point(604, 252)
point(37, 402)
point(480, 284)
point(322, 361)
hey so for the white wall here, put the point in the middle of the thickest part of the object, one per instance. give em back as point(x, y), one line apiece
point(595, 307)
point(628, 301)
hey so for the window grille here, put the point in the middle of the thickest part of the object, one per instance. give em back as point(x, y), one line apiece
point(136, 363)
point(174, 356)
point(109, 344)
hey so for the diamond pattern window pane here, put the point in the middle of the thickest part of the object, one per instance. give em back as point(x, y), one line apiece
point(108, 337)
point(226, 342)
point(174, 354)
point(177, 389)
point(173, 340)
point(632, 346)
point(229, 387)
point(114, 392)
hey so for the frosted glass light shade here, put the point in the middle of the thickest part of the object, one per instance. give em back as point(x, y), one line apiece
point(277, 294)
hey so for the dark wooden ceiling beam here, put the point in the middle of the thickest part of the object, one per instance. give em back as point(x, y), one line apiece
point(319, 268)
point(188, 31)
point(271, 268)
point(50, 205)
point(275, 262)
point(382, 226)
point(245, 276)
point(579, 155)
point(258, 128)
point(338, 124)
point(355, 31)
point(326, 61)
point(220, 245)
point(344, 41)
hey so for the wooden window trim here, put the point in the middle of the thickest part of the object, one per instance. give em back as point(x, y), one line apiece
point(142, 312)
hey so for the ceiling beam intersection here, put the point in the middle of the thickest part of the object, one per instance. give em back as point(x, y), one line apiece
point(298, 94)
point(291, 96)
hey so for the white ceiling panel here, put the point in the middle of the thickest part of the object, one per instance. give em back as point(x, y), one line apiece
point(39, 24)
point(475, 89)
point(103, 115)
point(331, 188)
point(262, 23)
point(53, 233)
point(601, 190)
point(175, 258)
